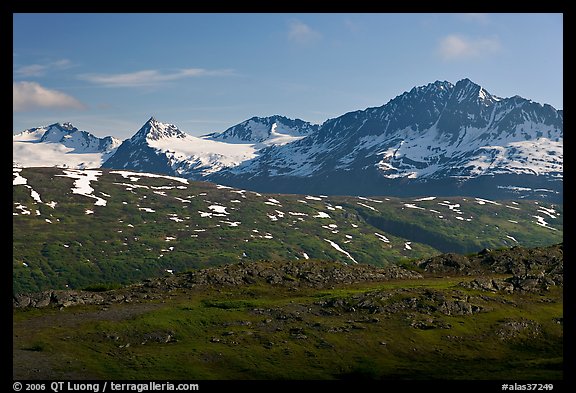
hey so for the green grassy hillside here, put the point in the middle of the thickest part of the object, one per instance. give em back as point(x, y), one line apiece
point(133, 226)
point(310, 320)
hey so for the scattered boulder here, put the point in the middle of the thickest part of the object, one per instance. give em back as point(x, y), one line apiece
point(21, 301)
point(489, 284)
point(459, 307)
point(445, 263)
point(517, 329)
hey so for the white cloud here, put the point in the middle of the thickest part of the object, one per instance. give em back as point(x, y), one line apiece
point(301, 33)
point(29, 96)
point(31, 70)
point(456, 47)
point(41, 69)
point(149, 77)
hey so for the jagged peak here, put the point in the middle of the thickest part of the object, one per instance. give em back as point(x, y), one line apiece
point(466, 82)
point(155, 130)
point(55, 132)
point(437, 85)
point(466, 90)
point(269, 120)
point(467, 85)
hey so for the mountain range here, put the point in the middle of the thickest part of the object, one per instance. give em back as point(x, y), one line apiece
point(441, 138)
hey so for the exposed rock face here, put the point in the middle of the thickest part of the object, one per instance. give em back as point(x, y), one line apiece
point(489, 284)
point(525, 283)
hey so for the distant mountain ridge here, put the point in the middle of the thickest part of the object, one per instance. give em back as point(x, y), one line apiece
point(261, 129)
point(163, 148)
point(449, 139)
point(61, 145)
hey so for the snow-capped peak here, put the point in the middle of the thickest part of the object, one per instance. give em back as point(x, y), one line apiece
point(55, 132)
point(267, 130)
point(154, 130)
point(439, 132)
point(62, 144)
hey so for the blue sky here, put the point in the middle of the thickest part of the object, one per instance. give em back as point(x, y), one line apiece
point(108, 73)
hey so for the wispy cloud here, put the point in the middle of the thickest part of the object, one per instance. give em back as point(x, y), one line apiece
point(30, 96)
point(478, 17)
point(458, 47)
point(32, 70)
point(149, 77)
point(300, 33)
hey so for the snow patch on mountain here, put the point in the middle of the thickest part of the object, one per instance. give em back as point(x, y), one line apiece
point(339, 249)
point(135, 175)
point(18, 179)
point(82, 183)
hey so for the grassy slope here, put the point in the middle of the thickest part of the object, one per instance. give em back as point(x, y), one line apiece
point(268, 332)
point(122, 243)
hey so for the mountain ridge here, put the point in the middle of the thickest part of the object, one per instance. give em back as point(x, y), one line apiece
point(451, 138)
point(439, 135)
point(61, 144)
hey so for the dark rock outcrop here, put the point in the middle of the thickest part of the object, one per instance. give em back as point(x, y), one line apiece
point(531, 269)
point(289, 274)
point(425, 301)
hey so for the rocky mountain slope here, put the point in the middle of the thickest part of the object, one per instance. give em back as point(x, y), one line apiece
point(447, 139)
